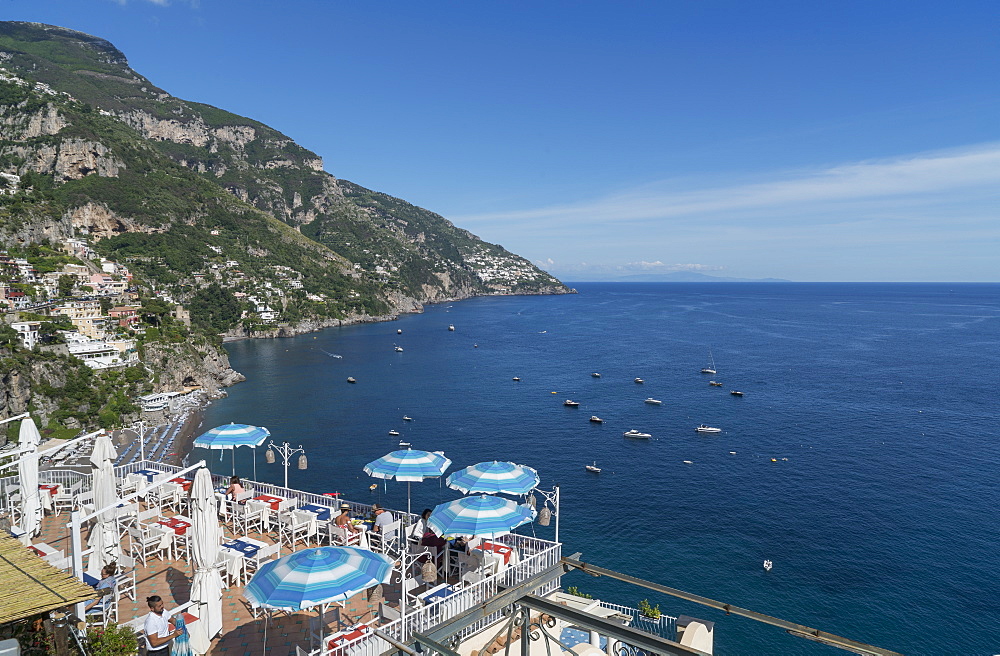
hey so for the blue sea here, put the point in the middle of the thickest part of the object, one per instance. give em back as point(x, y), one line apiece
point(866, 445)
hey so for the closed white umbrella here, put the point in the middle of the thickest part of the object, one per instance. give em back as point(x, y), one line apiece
point(104, 540)
point(206, 587)
point(27, 471)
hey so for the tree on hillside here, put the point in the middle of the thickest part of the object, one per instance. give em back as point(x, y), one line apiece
point(215, 308)
point(66, 283)
point(154, 309)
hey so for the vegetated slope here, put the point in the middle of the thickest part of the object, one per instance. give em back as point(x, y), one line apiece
point(157, 175)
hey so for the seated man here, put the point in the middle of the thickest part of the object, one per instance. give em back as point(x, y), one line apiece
point(343, 520)
point(382, 520)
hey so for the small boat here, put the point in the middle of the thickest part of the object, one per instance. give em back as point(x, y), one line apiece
point(570, 403)
point(596, 419)
point(714, 383)
point(350, 379)
point(404, 444)
point(405, 418)
point(596, 375)
point(516, 379)
point(768, 565)
point(736, 392)
point(399, 349)
point(636, 434)
point(399, 331)
point(394, 432)
point(593, 468)
point(451, 327)
point(653, 401)
point(705, 428)
point(688, 462)
point(639, 380)
point(710, 369)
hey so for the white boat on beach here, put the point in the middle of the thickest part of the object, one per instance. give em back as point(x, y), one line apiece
point(636, 434)
point(653, 401)
point(593, 468)
point(705, 428)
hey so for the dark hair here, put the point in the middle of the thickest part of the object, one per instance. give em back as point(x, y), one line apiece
point(426, 513)
point(375, 506)
point(152, 599)
point(111, 568)
point(234, 479)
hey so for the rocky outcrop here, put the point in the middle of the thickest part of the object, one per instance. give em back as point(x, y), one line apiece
point(187, 365)
point(99, 221)
point(70, 159)
point(18, 126)
point(17, 382)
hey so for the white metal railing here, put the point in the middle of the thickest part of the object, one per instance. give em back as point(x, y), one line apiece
point(664, 626)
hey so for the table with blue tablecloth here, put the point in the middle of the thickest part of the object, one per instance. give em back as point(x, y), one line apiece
point(322, 513)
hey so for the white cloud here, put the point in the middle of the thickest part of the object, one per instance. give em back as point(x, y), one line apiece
point(915, 176)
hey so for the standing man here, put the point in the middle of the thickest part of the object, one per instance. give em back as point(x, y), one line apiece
point(158, 628)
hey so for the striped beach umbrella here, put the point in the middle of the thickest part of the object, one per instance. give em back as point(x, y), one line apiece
point(231, 436)
point(313, 577)
point(494, 477)
point(481, 516)
point(410, 465)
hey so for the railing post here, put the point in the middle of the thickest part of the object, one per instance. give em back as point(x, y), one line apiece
point(557, 513)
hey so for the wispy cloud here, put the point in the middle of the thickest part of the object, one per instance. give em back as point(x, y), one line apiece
point(913, 177)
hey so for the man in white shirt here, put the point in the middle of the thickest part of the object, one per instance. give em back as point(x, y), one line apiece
point(158, 628)
point(382, 520)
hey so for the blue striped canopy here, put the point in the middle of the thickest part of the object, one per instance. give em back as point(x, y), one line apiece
point(316, 576)
point(410, 465)
point(481, 516)
point(231, 436)
point(494, 477)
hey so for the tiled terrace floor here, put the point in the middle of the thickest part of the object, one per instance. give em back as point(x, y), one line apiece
point(242, 634)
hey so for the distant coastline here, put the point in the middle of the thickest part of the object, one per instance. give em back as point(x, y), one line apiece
point(675, 276)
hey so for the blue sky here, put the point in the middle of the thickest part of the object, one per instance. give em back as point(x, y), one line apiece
point(800, 140)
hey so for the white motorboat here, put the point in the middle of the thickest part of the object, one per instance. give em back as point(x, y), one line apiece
point(516, 379)
point(399, 349)
point(451, 327)
point(350, 379)
point(399, 331)
point(653, 401)
point(404, 445)
point(705, 428)
point(596, 419)
point(636, 434)
point(570, 403)
point(736, 392)
point(405, 418)
point(714, 383)
point(593, 468)
point(394, 432)
point(639, 380)
point(596, 375)
point(710, 369)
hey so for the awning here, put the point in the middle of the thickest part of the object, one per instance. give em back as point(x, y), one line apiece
point(31, 585)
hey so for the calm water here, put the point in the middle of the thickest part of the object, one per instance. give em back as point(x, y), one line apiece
point(882, 523)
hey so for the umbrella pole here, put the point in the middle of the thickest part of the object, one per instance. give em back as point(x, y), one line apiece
point(234, 461)
point(408, 498)
point(253, 451)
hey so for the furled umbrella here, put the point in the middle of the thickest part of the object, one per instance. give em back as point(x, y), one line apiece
point(316, 577)
point(493, 478)
point(409, 465)
point(27, 470)
point(104, 541)
point(206, 586)
point(232, 436)
point(481, 516)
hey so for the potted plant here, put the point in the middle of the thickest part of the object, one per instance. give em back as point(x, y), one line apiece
point(650, 612)
point(112, 640)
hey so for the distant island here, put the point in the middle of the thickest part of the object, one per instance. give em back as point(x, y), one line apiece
point(684, 276)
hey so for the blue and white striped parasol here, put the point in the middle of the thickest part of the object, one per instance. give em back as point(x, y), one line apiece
point(494, 477)
point(231, 436)
point(481, 516)
point(312, 577)
point(410, 465)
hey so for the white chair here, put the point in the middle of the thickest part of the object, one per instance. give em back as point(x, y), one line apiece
point(263, 555)
point(170, 496)
point(387, 613)
point(341, 536)
point(125, 586)
point(231, 567)
point(106, 609)
point(63, 500)
point(410, 599)
point(247, 518)
point(294, 526)
point(145, 545)
point(387, 541)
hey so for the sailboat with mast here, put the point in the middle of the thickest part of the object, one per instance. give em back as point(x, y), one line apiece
point(710, 369)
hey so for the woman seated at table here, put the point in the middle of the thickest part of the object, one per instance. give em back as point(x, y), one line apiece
point(419, 528)
point(344, 519)
point(235, 488)
point(428, 538)
point(108, 581)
